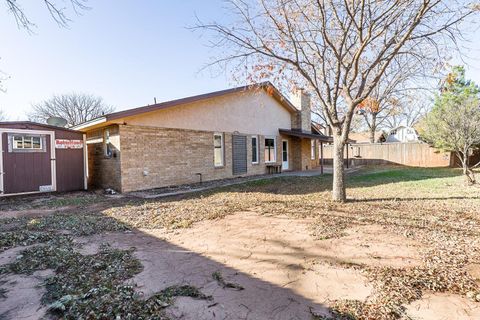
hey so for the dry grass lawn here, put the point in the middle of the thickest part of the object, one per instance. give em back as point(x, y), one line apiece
point(405, 246)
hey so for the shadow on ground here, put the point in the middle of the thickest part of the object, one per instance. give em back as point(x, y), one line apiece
point(164, 265)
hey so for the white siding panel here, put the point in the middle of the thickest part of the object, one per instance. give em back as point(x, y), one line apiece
point(245, 112)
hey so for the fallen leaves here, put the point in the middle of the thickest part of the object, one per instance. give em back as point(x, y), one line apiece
point(430, 206)
point(27, 231)
point(217, 276)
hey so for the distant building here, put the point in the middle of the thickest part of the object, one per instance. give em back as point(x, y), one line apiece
point(364, 137)
point(402, 134)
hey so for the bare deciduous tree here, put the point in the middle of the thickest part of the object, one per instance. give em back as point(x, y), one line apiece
point(397, 93)
point(340, 50)
point(3, 116)
point(3, 77)
point(57, 11)
point(381, 103)
point(412, 107)
point(75, 108)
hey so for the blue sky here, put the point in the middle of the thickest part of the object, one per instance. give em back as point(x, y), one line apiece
point(126, 51)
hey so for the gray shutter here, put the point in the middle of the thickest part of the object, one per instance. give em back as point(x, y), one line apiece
point(239, 154)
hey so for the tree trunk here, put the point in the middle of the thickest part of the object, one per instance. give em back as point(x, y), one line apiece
point(373, 128)
point(469, 174)
point(338, 188)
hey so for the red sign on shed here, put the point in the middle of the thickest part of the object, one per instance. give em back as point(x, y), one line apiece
point(68, 144)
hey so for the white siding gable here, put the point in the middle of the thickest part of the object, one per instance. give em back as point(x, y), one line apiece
point(246, 112)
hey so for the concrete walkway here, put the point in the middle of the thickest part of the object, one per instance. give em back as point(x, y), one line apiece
point(315, 172)
point(151, 194)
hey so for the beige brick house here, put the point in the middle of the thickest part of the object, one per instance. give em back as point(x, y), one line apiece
point(236, 132)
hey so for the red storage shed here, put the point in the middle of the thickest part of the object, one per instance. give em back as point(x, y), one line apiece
point(41, 158)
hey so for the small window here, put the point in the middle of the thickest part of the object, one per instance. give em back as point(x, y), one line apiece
point(27, 142)
point(254, 149)
point(270, 152)
point(312, 149)
point(218, 150)
point(36, 143)
point(18, 142)
point(107, 147)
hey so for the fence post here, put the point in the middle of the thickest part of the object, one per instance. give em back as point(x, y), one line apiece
point(347, 156)
point(321, 157)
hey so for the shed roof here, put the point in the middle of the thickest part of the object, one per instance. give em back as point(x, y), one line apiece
point(30, 124)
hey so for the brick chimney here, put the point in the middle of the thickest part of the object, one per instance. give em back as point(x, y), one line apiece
point(302, 101)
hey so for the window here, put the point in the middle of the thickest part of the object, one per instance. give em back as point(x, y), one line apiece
point(312, 149)
point(284, 150)
point(254, 149)
point(27, 142)
point(106, 143)
point(218, 150)
point(270, 150)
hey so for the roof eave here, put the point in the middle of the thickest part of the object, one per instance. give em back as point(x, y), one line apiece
point(90, 123)
point(303, 134)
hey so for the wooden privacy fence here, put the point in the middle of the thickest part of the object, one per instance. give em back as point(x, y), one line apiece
point(415, 154)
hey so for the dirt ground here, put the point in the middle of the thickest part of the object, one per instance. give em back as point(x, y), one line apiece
point(254, 265)
point(285, 272)
point(278, 263)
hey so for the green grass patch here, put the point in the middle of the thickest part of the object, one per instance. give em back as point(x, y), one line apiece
point(394, 175)
point(94, 286)
point(50, 201)
point(77, 201)
point(27, 231)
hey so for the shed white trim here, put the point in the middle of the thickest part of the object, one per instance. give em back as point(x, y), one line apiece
point(85, 162)
point(52, 157)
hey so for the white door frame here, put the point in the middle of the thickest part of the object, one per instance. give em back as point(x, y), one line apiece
point(285, 164)
point(85, 162)
point(53, 166)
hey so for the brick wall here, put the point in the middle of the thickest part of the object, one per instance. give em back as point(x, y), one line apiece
point(154, 157)
point(103, 171)
point(301, 155)
point(302, 101)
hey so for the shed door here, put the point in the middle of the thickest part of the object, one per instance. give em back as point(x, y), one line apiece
point(239, 156)
point(26, 162)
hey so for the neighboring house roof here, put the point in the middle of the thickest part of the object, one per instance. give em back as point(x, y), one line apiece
point(364, 137)
point(411, 134)
point(267, 86)
point(400, 127)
